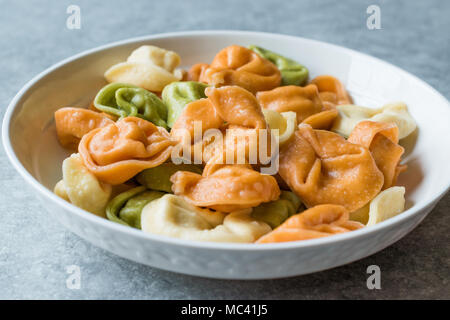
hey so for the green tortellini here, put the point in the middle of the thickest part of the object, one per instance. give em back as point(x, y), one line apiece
point(292, 73)
point(276, 212)
point(122, 100)
point(158, 178)
point(126, 207)
point(178, 94)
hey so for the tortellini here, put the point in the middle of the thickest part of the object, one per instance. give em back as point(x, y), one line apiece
point(322, 120)
point(73, 123)
point(285, 123)
point(387, 204)
point(82, 188)
point(243, 149)
point(350, 115)
point(60, 190)
point(121, 150)
point(292, 73)
point(196, 71)
point(276, 212)
point(382, 141)
point(304, 101)
point(237, 106)
point(149, 67)
point(331, 91)
point(322, 167)
point(244, 119)
point(316, 222)
point(174, 217)
point(225, 188)
point(201, 111)
point(158, 178)
point(236, 65)
point(178, 94)
point(123, 100)
point(126, 207)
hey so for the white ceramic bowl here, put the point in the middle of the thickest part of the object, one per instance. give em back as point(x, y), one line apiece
point(30, 142)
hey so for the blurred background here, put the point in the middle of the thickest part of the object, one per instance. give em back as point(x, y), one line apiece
point(35, 251)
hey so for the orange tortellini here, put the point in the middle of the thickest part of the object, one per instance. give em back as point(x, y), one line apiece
point(244, 119)
point(119, 151)
point(234, 111)
point(73, 123)
point(236, 65)
point(317, 222)
point(331, 90)
point(304, 101)
point(381, 139)
point(321, 167)
point(225, 188)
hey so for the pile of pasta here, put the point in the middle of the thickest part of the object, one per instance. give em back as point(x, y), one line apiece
point(338, 162)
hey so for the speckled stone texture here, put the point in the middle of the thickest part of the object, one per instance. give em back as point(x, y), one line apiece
point(35, 251)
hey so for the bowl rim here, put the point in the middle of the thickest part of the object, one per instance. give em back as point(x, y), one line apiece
point(226, 246)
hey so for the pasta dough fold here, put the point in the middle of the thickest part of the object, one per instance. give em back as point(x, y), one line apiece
point(174, 217)
point(382, 141)
point(126, 100)
point(331, 91)
point(73, 123)
point(149, 67)
point(316, 222)
point(236, 65)
point(292, 73)
point(321, 167)
point(119, 151)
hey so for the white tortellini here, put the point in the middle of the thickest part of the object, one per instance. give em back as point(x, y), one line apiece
point(148, 67)
point(82, 188)
point(285, 122)
point(60, 190)
point(385, 205)
point(174, 217)
point(397, 112)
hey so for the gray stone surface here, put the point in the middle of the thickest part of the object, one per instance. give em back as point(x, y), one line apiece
point(34, 250)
